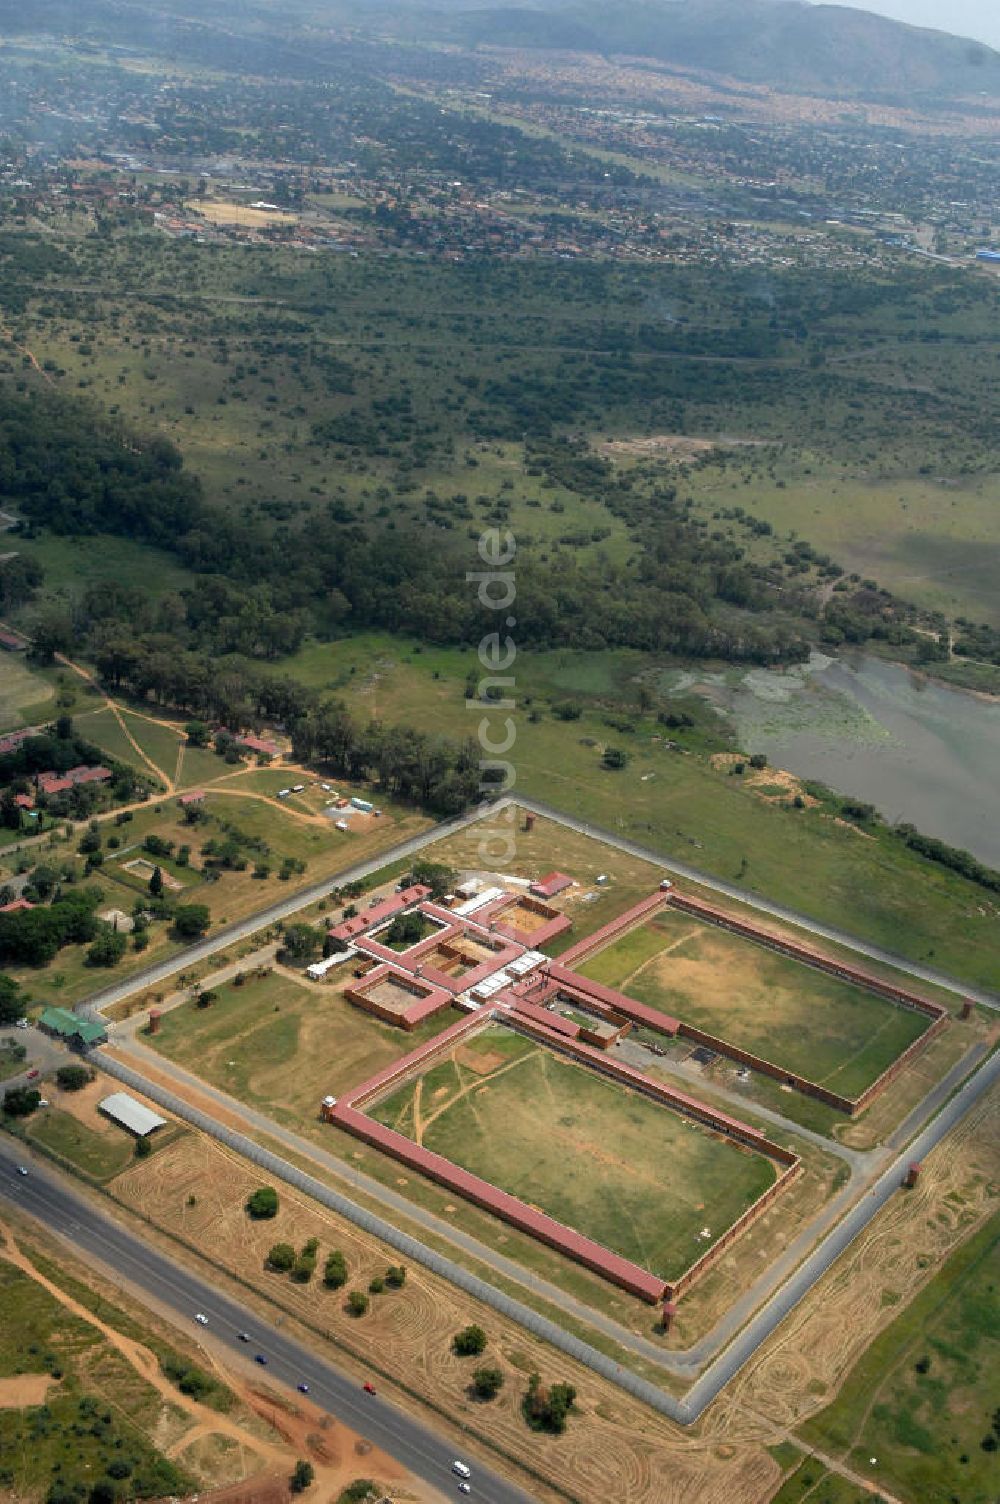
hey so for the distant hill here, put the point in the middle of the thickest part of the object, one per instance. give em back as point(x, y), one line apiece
point(827, 49)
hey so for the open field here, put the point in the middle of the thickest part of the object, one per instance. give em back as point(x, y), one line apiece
point(801, 1019)
point(20, 689)
point(634, 1176)
point(813, 1357)
point(405, 1341)
point(282, 1044)
point(679, 802)
point(923, 1397)
point(933, 540)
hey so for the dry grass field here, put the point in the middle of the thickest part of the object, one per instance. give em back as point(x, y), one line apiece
point(801, 1019)
point(613, 1445)
point(281, 1043)
point(639, 1179)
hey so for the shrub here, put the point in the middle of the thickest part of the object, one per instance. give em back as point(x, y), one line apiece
point(376, 1285)
point(73, 1077)
point(263, 1203)
point(487, 1382)
point(469, 1342)
point(302, 1475)
point(357, 1303)
point(335, 1270)
point(547, 1408)
point(281, 1258)
point(395, 1276)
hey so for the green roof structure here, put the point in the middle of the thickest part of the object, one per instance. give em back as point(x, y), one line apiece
point(71, 1027)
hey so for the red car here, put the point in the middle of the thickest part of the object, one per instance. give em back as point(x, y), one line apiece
point(369, 1388)
point(33, 1075)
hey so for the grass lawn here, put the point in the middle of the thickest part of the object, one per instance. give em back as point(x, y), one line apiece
point(788, 1013)
point(923, 1397)
point(640, 1179)
point(21, 689)
point(11, 1063)
point(104, 730)
point(96, 1409)
point(283, 1045)
point(101, 1155)
point(812, 1481)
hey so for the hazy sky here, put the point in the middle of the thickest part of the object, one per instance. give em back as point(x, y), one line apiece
point(964, 18)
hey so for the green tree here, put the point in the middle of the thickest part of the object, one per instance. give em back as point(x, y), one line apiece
point(191, 920)
point(615, 757)
point(357, 1303)
point(107, 949)
point(11, 1006)
point(263, 1203)
point(335, 1270)
point(197, 733)
point(469, 1342)
point(156, 883)
point(487, 1382)
point(546, 1408)
point(73, 1077)
point(281, 1257)
point(302, 1475)
point(395, 1276)
point(301, 943)
point(20, 1101)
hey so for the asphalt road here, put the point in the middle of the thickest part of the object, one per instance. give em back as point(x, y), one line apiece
point(757, 1330)
point(101, 1239)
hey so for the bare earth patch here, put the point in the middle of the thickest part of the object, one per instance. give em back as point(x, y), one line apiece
point(23, 1390)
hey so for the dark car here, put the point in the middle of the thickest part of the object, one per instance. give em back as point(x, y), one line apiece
point(260, 1358)
point(303, 1388)
point(243, 1336)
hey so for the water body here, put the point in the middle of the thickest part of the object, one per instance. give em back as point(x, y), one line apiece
point(919, 751)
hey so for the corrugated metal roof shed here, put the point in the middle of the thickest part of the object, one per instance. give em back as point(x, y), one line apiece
point(131, 1114)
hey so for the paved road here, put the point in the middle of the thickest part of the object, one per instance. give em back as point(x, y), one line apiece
point(763, 905)
point(757, 1331)
point(733, 1356)
point(100, 1239)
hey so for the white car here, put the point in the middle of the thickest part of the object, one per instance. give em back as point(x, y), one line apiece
point(21, 1170)
point(201, 1318)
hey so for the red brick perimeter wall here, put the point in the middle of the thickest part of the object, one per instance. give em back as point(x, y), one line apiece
point(810, 957)
point(612, 929)
point(690, 1107)
point(346, 1114)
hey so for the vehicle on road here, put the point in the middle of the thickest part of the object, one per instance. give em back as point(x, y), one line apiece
point(33, 1074)
point(243, 1336)
point(465, 1488)
point(303, 1388)
point(21, 1170)
point(201, 1318)
point(261, 1359)
point(462, 1469)
point(369, 1387)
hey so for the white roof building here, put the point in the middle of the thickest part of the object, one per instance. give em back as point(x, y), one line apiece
point(131, 1114)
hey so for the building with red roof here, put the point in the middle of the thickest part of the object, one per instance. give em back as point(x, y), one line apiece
point(551, 884)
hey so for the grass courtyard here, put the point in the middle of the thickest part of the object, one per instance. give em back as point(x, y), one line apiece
point(800, 1019)
point(636, 1177)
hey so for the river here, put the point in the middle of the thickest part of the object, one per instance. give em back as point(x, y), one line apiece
point(917, 750)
